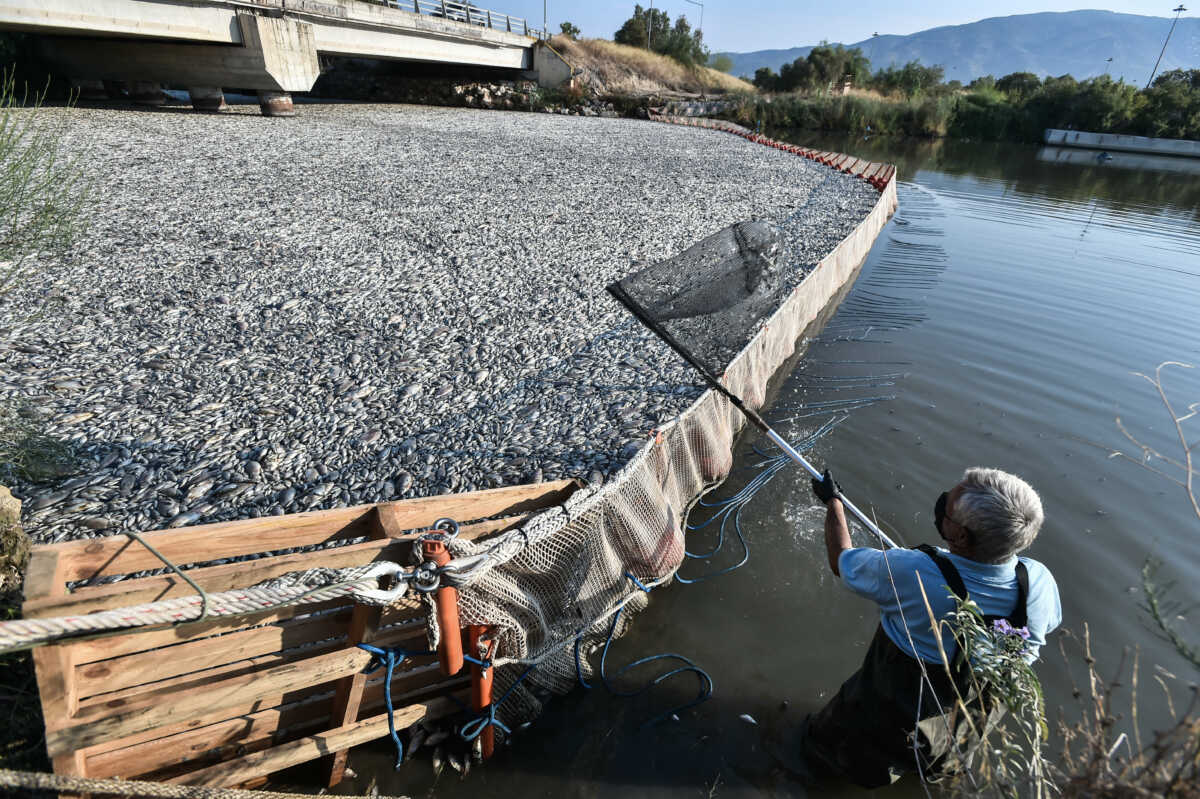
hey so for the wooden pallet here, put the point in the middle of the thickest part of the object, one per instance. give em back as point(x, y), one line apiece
point(230, 701)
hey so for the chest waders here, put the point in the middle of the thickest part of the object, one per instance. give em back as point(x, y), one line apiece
point(865, 733)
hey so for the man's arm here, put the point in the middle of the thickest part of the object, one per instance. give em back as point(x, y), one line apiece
point(837, 533)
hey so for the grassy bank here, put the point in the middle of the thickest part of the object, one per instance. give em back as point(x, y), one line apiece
point(989, 111)
point(608, 68)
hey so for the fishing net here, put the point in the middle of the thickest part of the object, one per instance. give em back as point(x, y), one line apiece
point(562, 577)
point(712, 297)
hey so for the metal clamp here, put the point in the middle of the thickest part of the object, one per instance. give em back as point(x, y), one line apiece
point(427, 577)
point(379, 596)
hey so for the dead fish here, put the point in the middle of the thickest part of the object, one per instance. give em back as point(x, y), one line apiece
point(456, 763)
point(416, 738)
point(96, 523)
point(46, 500)
point(184, 518)
point(746, 717)
point(436, 738)
point(199, 490)
point(438, 761)
point(289, 305)
point(74, 418)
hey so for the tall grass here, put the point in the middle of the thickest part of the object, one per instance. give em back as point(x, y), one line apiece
point(858, 113)
point(41, 187)
point(611, 68)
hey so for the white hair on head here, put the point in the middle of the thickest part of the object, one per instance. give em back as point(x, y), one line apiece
point(1001, 510)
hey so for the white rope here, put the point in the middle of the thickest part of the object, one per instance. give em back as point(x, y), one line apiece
point(360, 582)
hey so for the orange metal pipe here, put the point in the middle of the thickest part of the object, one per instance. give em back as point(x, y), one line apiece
point(450, 652)
point(481, 647)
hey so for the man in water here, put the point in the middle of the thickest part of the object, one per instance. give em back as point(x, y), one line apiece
point(865, 733)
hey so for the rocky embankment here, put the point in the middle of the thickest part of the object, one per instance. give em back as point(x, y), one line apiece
point(353, 82)
point(368, 303)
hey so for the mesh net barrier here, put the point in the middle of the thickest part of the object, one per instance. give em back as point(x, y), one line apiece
point(564, 573)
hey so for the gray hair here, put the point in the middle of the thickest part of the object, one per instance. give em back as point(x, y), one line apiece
point(1002, 511)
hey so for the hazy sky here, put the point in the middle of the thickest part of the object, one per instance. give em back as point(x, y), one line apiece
point(742, 25)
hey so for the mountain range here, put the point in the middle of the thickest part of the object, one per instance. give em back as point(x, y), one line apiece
point(1051, 43)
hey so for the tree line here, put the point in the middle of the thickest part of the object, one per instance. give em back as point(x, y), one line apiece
point(1018, 106)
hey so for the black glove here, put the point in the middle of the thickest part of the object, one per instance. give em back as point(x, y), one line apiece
point(826, 488)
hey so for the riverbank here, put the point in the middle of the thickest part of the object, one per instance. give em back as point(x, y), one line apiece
point(985, 112)
point(341, 312)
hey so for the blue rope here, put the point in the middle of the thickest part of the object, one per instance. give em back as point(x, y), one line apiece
point(471, 730)
point(732, 507)
point(706, 681)
point(390, 657)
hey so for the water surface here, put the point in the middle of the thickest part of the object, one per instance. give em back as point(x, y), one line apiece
point(997, 321)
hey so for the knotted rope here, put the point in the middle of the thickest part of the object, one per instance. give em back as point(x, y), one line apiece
point(317, 585)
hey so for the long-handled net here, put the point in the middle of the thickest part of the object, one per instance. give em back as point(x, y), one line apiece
point(707, 302)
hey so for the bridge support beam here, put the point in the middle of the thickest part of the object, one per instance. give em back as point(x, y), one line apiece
point(145, 92)
point(276, 104)
point(88, 90)
point(277, 54)
point(207, 98)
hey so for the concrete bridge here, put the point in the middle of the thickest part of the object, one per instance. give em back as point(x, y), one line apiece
point(270, 46)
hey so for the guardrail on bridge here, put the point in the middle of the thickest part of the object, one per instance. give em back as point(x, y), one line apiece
point(468, 13)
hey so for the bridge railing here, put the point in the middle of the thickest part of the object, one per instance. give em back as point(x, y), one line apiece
point(468, 13)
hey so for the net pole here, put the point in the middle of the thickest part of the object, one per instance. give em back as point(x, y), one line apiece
point(635, 308)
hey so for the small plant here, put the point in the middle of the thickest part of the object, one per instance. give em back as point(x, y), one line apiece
point(998, 722)
point(26, 453)
point(1101, 761)
point(42, 190)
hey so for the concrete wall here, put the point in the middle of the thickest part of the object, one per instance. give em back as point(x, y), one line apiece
point(552, 69)
point(1122, 143)
point(278, 54)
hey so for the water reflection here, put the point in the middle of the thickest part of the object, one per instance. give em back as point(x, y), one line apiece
point(1162, 184)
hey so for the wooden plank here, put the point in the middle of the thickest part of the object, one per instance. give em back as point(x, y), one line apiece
point(348, 695)
point(53, 667)
point(116, 554)
point(214, 579)
point(311, 747)
point(140, 668)
point(229, 576)
point(41, 575)
point(153, 638)
point(240, 575)
point(81, 560)
point(183, 698)
point(168, 747)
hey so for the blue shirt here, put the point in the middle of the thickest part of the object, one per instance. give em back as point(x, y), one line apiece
point(993, 586)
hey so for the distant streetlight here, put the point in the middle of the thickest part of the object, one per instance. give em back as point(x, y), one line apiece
point(1108, 64)
point(698, 3)
point(1178, 10)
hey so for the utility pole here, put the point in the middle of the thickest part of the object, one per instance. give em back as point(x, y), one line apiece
point(1178, 10)
point(698, 3)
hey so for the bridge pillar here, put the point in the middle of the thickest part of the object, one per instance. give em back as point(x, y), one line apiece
point(276, 104)
point(149, 93)
point(207, 98)
point(89, 90)
point(276, 54)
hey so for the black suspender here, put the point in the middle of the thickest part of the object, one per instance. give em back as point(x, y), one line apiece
point(1019, 616)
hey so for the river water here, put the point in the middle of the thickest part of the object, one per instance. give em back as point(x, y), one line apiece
point(997, 321)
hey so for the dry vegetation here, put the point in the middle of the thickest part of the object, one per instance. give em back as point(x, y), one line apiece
point(616, 69)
